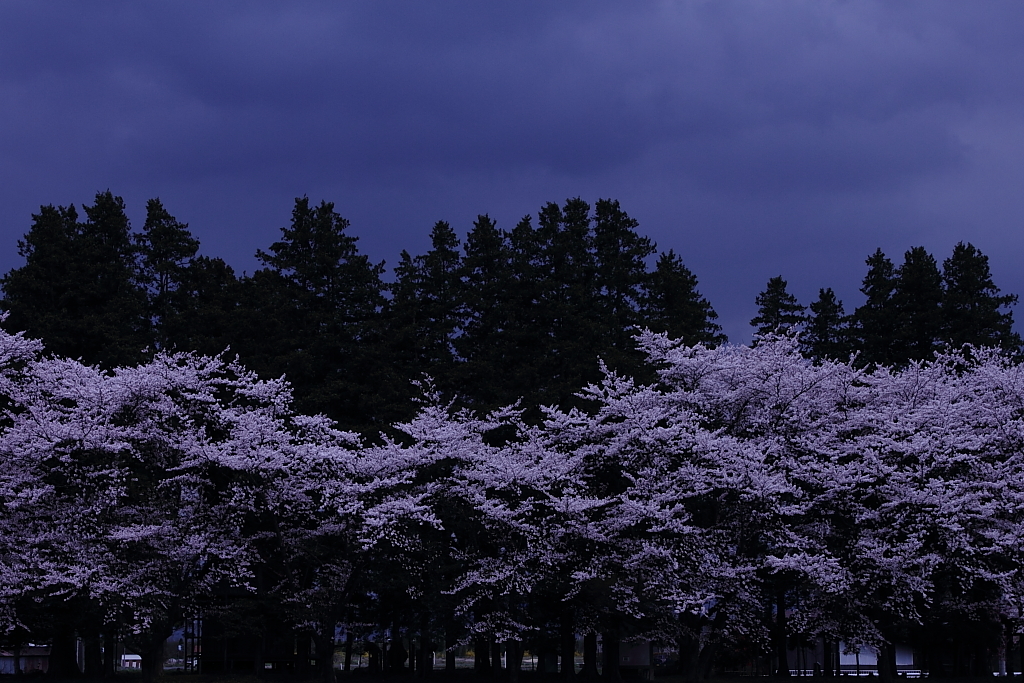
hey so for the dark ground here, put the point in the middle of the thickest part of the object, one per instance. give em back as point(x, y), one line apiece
point(438, 677)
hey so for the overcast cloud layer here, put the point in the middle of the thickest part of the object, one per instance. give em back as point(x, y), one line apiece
point(754, 138)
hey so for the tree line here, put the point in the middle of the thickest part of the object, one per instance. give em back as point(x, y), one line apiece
point(725, 498)
point(498, 316)
point(492, 318)
point(910, 312)
point(747, 499)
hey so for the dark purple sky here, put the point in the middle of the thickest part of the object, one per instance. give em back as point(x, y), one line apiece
point(754, 138)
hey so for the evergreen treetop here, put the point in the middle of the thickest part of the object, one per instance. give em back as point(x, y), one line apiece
point(777, 310)
point(918, 304)
point(876, 320)
point(79, 289)
point(973, 309)
point(166, 250)
point(311, 314)
point(673, 304)
point(913, 311)
point(826, 334)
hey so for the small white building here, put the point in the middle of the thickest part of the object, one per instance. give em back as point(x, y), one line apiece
point(866, 660)
point(130, 661)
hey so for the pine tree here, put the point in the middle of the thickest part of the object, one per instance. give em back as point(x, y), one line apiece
point(918, 303)
point(584, 296)
point(542, 305)
point(672, 304)
point(312, 314)
point(777, 309)
point(972, 307)
point(117, 330)
point(876, 321)
point(529, 339)
point(424, 310)
point(166, 250)
point(826, 334)
point(620, 256)
point(78, 288)
point(569, 299)
point(552, 309)
point(486, 342)
point(206, 305)
point(42, 297)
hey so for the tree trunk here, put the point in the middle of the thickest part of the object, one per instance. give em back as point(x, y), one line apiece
point(451, 636)
point(348, 651)
point(934, 662)
point(481, 658)
point(610, 640)
point(426, 663)
point(397, 653)
point(63, 662)
point(93, 657)
point(324, 644)
point(423, 665)
point(259, 670)
point(781, 633)
point(589, 671)
point(568, 646)
point(705, 661)
point(449, 655)
point(689, 658)
point(376, 657)
point(16, 651)
point(513, 659)
point(303, 653)
point(982, 661)
point(152, 653)
point(887, 663)
point(1004, 650)
point(496, 670)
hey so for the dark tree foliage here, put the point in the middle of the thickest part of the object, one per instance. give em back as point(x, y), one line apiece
point(777, 309)
point(205, 314)
point(526, 314)
point(527, 336)
point(490, 289)
point(913, 311)
point(166, 251)
point(311, 314)
point(672, 304)
point(423, 314)
point(521, 314)
point(78, 288)
point(40, 297)
point(568, 301)
point(579, 277)
point(877, 319)
point(620, 276)
point(917, 300)
point(973, 310)
point(826, 333)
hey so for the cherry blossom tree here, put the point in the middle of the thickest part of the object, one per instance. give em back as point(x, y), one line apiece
point(745, 497)
point(140, 493)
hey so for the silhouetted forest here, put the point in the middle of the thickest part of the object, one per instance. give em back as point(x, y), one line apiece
point(492, 317)
point(515, 439)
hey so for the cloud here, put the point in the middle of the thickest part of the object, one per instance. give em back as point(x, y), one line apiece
point(828, 127)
